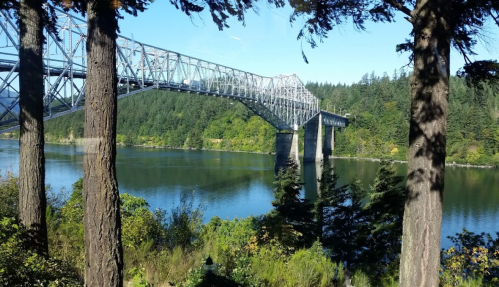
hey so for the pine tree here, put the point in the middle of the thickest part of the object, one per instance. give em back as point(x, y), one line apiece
point(339, 215)
point(289, 208)
point(437, 25)
point(383, 213)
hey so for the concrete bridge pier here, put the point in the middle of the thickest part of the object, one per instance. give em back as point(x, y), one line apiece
point(313, 139)
point(286, 146)
point(328, 141)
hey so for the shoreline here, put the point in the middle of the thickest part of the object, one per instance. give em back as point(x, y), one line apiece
point(468, 165)
point(447, 164)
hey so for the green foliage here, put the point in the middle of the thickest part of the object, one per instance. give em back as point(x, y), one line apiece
point(360, 279)
point(177, 120)
point(183, 225)
point(343, 222)
point(138, 223)
point(292, 218)
point(383, 214)
point(227, 241)
point(138, 277)
point(9, 198)
point(158, 249)
point(363, 229)
point(65, 229)
point(473, 261)
point(379, 120)
point(21, 267)
point(306, 267)
point(327, 190)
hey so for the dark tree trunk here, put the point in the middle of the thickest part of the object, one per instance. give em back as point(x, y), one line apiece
point(32, 200)
point(420, 259)
point(103, 250)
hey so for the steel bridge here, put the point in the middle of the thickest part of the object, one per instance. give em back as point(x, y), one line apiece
point(283, 100)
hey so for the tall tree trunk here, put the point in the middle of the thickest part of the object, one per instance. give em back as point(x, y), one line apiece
point(32, 200)
point(420, 259)
point(103, 250)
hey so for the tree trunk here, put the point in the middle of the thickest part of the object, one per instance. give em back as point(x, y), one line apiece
point(32, 200)
point(103, 250)
point(420, 258)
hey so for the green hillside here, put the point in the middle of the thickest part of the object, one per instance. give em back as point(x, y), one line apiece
point(379, 110)
point(379, 121)
point(175, 119)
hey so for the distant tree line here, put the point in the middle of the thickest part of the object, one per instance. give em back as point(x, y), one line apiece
point(379, 118)
point(178, 120)
point(378, 109)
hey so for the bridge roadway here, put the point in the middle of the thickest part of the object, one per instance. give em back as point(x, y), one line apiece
point(283, 100)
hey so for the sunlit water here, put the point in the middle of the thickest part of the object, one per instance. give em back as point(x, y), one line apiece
point(240, 184)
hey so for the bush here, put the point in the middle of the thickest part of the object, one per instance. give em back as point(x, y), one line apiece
point(306, 267)
point(474, 261)
point(226, 241)
point(9, 195)
point(138, 224)
point(19, 266)
point(183, 225)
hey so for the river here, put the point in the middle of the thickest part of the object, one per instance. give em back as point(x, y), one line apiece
point(233, 184)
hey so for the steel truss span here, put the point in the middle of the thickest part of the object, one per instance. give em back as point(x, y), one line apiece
point(283, 100)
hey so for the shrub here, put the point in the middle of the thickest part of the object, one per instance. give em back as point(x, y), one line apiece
point(9, 195)
point(19, 266)
point(307, 267)
point(473, 260)
point(138, 223)
point(226, 241)
point(183, 225)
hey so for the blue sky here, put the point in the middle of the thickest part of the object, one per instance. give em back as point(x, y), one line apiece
point(267, 45)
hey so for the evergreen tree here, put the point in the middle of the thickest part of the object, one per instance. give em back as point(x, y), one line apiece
point(342, 218)
point(437, 25)
point(383, 214)
point(327, 189)
point(32, 198)
point(290, 209)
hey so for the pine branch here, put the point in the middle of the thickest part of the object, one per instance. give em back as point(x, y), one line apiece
point(401, 8)
point(494, 17)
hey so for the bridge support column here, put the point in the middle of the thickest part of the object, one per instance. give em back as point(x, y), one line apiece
point(313, 139)
point(286, 146)
point(328, 141)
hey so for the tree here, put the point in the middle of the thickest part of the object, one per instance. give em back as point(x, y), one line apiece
point(289, 208)
point(103, 254)
point(339, 216)
point(343, 222)
point(327, 189)
point(32, 18)
point(32, 199)
point(103, 246)
point(437, 25)
point(384, 213)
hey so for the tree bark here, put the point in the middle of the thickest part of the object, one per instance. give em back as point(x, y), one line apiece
point(32, 200)
point(420, 258)
point(103, 250)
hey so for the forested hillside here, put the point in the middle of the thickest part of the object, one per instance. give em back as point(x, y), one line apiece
point(379, 121)
point(379, 118)
point(174, 119)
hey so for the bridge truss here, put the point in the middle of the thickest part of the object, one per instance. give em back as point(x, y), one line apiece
point(283, 100)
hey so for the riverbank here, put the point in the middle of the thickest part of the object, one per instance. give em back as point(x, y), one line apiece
point(79, 141)
point(405, 162)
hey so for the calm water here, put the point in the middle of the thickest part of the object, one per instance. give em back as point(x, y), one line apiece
point(240, 184)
